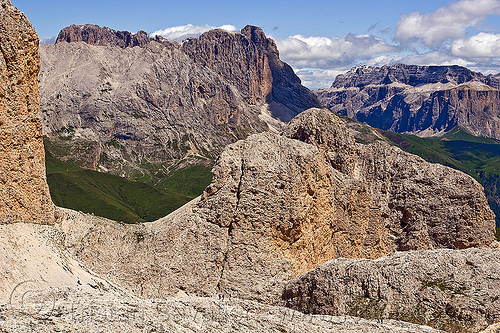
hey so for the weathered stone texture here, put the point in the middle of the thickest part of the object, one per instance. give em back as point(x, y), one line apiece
point(24, 194)
point(278, 207)
point(452, 290)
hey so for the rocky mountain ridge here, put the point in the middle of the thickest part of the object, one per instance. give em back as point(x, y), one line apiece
point(95, 35)
point(421, 100)
point(132, 105)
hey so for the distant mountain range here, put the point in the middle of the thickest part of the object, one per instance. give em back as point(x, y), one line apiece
point(136, 106)
point(422, 100)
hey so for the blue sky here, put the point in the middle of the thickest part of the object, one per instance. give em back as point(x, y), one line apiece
point(320, 39)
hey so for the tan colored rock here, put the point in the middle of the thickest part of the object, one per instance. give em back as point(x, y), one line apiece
point(278, 207)
point(24, 194)
point(452, 290)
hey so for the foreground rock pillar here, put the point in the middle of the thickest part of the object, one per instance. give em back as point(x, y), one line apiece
point(24, 193)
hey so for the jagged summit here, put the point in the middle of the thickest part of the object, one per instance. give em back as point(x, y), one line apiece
point(412, 75)
point(96, 35)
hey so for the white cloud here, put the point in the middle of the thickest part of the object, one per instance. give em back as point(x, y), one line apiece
point(435, 58)
point(384, 60)
point(446, 23)
point(181, 32)
point(482, 45)
point(316, 78)
point(324, 52)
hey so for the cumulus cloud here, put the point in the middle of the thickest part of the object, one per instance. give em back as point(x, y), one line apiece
point(316, 78)
point(482, 45)
point(435, 58)
point(446, 23)
point(181, 32)
point(324, 52)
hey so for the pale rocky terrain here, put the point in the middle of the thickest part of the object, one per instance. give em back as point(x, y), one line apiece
point(453, 290)
point(24, 194)
point(71, 310)
point(130, 105)
point(278, 207)
point(422, 100)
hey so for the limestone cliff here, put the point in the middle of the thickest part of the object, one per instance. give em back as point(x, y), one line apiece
point(281, 205)
point(252, 63)
point(24, 194)
point(423, 100)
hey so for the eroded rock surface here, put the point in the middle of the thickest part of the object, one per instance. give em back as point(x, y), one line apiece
point(452, 290)
point(106, 312)
point(278, 207)
point(24, 194)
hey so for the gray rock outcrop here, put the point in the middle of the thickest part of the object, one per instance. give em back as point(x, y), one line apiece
point(76, 311)
point(278, 207)
point(452, 290)
point(24, 194)
point(422, 100)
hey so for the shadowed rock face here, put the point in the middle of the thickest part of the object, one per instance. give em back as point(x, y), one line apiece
point(456, 291)
point(121, 109)
point(423, 100)
point(24, 194)
point(279, 205)
point(252, 63)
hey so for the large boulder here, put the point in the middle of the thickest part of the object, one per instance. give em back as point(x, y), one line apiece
point(452, 290)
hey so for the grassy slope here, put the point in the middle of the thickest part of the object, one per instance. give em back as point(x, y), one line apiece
point(108, 196)
point(189, 181)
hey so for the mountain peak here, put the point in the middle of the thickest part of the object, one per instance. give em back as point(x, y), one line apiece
point(412, 75)
point(102, 36)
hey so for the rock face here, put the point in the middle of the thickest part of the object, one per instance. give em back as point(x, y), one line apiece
point(24, 194)
point(278, 207)
point(95, 35)
point(423, 100)
point(132, 110)
point(456, 291)
point(252, 64)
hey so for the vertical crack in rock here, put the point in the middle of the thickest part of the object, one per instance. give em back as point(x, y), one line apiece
point(230, 227)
